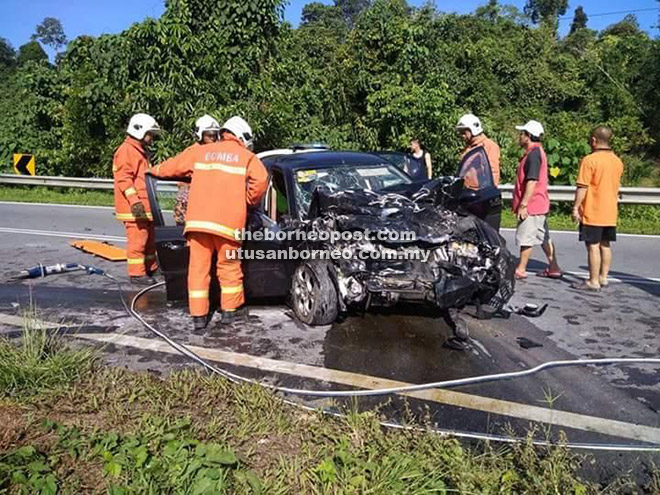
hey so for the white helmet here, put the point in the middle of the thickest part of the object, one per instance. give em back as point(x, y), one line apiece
point(206, 124)
point(140, 124)
point(471, 123)
point(239, 128)
point(533, 128)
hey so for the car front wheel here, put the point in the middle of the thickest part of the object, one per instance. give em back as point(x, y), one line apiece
point(313, 294)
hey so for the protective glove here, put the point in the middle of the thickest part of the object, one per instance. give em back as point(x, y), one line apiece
point(138, 211)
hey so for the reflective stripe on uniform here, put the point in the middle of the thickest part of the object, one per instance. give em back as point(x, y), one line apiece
point(221, 167)
point(212, 226)
point(129, 217)
point(198, 294)
point(114, 169)
point(134, 261)
point(231, 289)
point(130, 191)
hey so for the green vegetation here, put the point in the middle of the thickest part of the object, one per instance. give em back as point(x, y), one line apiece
point(633, 219)
point(358, 74)
point(40, 362)
point(108, 430)
point(60, 196)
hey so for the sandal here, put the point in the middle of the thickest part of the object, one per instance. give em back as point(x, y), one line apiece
point(519, 276)
point(584, 286)
point(548, 274)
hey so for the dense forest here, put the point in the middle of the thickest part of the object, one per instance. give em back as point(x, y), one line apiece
point(359, 74)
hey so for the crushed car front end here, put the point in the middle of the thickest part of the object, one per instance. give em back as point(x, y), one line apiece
point(409, 246)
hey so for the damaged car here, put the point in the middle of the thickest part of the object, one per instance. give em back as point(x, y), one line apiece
point(356, 233)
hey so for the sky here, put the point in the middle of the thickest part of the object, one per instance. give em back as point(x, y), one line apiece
point(95, 17)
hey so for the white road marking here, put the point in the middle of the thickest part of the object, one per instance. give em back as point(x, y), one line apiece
point(20, 321)
point(67, 235)
point(575, 232)
point(570, 232)
point(18, 203)
point(458, 399)
point(623, 279)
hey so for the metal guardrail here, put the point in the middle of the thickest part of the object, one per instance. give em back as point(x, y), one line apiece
point(628, 195)
point(74, 182)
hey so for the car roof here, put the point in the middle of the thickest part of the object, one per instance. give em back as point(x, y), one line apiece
point(326, 159)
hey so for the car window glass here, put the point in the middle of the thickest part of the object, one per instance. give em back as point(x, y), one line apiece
point(342, 177)
point(173, 202)
point(475, 170)
point(278, 203)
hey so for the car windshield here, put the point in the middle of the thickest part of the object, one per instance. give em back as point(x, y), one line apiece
point(342, 177)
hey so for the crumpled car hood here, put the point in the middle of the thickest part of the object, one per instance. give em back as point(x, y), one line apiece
point(466, 260)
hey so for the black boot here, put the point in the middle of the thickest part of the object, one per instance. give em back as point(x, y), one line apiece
point(229, 317)
point(200, 323)
point(143, 281)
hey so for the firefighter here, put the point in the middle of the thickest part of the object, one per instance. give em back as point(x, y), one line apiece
point(472, 133)
point(226, 178)
point(207, 131)
point(131, 161)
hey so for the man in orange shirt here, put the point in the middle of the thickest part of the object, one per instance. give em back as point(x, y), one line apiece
point(131, 161)
point(226, 178)
point(596, 206)
point(472, 133)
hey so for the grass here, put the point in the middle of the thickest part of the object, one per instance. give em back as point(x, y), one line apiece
point(39, 361)
point(62, 196)
point(633, 219)
point(109, 430)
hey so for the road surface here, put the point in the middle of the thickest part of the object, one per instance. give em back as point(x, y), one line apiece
point(614, 404)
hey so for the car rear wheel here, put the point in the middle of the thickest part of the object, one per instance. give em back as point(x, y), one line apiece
point(313, 294)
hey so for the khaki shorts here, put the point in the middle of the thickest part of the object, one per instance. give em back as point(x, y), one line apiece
point(532, 231)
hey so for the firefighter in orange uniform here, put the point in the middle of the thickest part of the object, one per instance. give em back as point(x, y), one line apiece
point(130, 163)
point(206, 131)
point(226, 178)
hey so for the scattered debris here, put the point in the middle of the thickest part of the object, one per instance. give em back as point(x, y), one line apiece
point(525, 343)
point(532, 310)
point(101, 249)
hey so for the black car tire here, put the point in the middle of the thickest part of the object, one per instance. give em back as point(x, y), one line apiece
point(313, 294)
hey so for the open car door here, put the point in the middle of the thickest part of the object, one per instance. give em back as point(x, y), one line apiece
point(263, 278)
point(171, 247)
point(480, 196)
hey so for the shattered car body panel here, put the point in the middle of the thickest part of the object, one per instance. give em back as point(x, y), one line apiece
point(424, 251)
point(459, 260)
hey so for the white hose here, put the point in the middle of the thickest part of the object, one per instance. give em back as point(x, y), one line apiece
point(397, 390)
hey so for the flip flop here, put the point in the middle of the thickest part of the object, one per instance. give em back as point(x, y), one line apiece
point(548, 274)
point(584, 286)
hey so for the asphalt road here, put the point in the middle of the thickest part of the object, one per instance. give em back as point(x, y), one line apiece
point(403, 345)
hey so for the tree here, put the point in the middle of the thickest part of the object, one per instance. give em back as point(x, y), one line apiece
point(50, 33)
point(31, 51)
point(7, 53)
point(316, 12)
point(491, 11)
point(628, 26)
point(546, 11)
point(580, 20)
point(350, 9)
